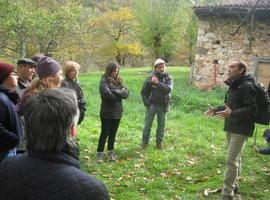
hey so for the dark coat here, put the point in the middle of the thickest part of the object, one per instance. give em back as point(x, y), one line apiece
point(22, 86)
point(265, 151)
point(157, 94)
point(10, 127)
point(37, 176)
point(75, 86)
point(241, 99)
point(111, 95)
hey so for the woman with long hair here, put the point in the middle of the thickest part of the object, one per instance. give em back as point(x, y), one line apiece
point(49, 76)
point(111, 92)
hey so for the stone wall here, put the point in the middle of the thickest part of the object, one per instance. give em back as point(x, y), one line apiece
point(215, 42)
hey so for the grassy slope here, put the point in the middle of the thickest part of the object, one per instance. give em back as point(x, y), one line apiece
point(193, 159)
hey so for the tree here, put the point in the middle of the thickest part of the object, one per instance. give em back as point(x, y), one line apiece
point(113, 31)
point(29, 27)
point(159, 25)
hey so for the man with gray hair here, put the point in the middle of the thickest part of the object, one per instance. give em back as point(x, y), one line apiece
point(47, 171)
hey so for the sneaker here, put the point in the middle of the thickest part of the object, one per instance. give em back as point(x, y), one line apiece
point(100, 157)
point(144, 145)
point(159, 146)
point(111, 155)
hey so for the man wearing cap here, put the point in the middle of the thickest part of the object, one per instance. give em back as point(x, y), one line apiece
point(25, 72)
point(156, 96)
point(10, 128)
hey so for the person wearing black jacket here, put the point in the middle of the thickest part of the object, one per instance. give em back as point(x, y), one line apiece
point(10, 125)
point(111, 92)
point(239, 114)
point(46, 171)
point(156, 96)
point(71, 70)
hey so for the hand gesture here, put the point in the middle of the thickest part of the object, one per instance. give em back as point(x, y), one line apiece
point(224, 113)
point(154, 80)
point(256, 149)
point(210, 112)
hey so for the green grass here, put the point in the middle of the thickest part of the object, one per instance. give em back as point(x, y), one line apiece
point(195, 148)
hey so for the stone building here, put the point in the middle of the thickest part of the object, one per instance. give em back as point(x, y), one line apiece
point(232, 29)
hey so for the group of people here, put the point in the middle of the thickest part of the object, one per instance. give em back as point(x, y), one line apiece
point(155, 94)
point(45, 114)
point(39, 114)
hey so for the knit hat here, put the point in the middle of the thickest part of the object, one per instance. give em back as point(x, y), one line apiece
point(5, 70)
point(46, 66)
point(159, 61)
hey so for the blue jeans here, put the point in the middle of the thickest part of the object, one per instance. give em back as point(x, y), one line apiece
point(7, 154)
point(151, 111)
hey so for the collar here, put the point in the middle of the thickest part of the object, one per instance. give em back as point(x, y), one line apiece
point(61, 158)
point(234, 82)
point(23, 84)
point(12, 95)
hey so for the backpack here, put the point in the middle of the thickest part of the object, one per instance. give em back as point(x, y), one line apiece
point(263, 105)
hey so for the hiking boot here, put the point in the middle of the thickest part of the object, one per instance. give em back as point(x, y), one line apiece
point(144, 145)
point(100, 157)
point(111, 155)
point(159, 146)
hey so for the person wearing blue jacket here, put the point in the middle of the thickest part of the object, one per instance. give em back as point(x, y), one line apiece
point(10, 127)
point(264, 150)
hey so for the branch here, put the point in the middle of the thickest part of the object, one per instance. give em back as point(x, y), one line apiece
point(243, 20)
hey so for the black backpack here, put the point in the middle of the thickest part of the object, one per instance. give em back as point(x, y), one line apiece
point(263, 105)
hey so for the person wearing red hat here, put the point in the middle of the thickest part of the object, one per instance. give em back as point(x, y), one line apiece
point(10, 127)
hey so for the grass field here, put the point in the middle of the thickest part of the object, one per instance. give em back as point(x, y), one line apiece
point(194, 154)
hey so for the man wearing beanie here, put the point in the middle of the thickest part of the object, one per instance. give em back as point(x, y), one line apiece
point(156, 96)
point(10, 128)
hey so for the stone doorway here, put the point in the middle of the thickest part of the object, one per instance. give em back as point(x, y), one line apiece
point(262, 71)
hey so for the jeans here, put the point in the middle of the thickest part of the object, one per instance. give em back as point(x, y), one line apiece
point(7, 154)
point(236, 144)
point(109, 128)
point(151, 111)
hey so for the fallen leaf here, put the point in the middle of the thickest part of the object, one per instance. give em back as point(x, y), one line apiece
point(164, 175)
point(208, 191)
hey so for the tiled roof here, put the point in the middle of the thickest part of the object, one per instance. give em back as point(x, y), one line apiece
point(234, 7)
point(263, 4)
point(250, 3)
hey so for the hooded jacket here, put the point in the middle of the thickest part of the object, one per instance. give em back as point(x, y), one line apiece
point(241, 99)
